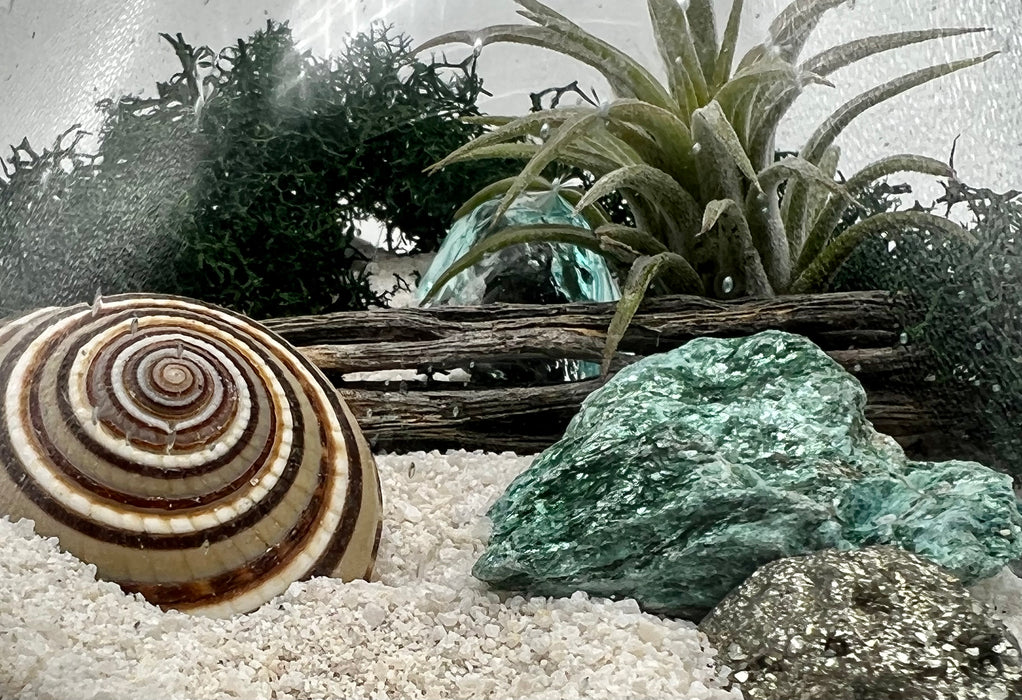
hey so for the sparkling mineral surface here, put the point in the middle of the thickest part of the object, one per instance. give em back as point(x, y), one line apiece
point(875, 623)
point(690, 469)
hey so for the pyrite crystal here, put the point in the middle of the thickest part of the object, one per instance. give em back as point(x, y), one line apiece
point(691, 469)
point(872, 624)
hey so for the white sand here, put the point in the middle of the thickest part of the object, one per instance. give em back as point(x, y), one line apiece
point(424, 628)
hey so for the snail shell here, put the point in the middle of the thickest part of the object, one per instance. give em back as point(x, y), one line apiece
point(187, 452)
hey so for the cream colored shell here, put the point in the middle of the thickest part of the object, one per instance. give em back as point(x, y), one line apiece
point(188, 452)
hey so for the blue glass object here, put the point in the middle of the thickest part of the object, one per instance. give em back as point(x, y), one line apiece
point(530, 273)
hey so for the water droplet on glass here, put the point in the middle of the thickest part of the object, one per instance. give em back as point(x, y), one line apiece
point(856, 367)
point(205, 547)
point(369, 413)
point(403, 387)
point(903, 338)
point(696, 147)
point(386, 383)
point(134, 325)
point(477, 47)
point(891, 245)
point(411, 470)
point(179, 350)
point(728, 285)
point(979, 345)
point(544, 131)
point(995, 388)
point(456, 411)
point(95, 415)
point(171, 439)
point(930, 378)
point(254, 481)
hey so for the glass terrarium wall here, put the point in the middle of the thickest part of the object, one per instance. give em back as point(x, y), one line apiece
point(59, 58)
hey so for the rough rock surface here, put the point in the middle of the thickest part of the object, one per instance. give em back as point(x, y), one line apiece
point(691, 469)
point(873, 623)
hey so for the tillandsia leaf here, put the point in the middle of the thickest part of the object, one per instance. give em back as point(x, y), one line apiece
point(643, 144)
point(825, 134)
point(713, 123)
point(843, 55)
point(772, 108)
point(640, 242)
point(765, 74)
point(516, 235)
point(659, 190)
point(603, 141)
point(526, 151)
point(703, 27)
point(486, 119)
point(609, 64)
point(818, 273)
point(672, 136)
point(547, 153)
point(619, 68)
point(797, 167)
point(522, 126)
point(737, 255)
point(817, 196)
point(796, 22)
point(496, 189)
point(767, 230)
point(654, 184)
point(594, 215)
point(677, 49)
point(726, 57)
point(680, 277)
point(836, 122)
point(830, 215)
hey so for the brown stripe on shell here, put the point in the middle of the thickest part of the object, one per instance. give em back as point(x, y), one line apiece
point(353, 539)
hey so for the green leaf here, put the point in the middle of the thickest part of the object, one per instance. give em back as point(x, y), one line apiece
point(796, 167)
point(645, 269)
point(836, 122)
point(843, 55)
point(620, 69)
point(515, 235)
point(818, 273)
point(720, 128)
point(737, 255)
point(703, 27)
point(546, 154)
point(658, 189)
point(795, 23)
point(816, 197)
point(522, 126)
point(677, 49)
point(825, 134)
point(640, 242)
point(830, 216)
point(722, 71)
point(494, 190)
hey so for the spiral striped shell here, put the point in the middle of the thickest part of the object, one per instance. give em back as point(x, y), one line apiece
point(188, 452)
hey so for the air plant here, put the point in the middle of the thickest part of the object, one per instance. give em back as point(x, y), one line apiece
point(694, 159)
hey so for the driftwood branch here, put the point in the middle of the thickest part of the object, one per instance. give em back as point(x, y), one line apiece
point(861, 331)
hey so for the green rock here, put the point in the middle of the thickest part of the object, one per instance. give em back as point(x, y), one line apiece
point(690, 469)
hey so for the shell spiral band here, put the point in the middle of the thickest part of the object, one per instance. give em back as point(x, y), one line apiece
point(188, 452)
